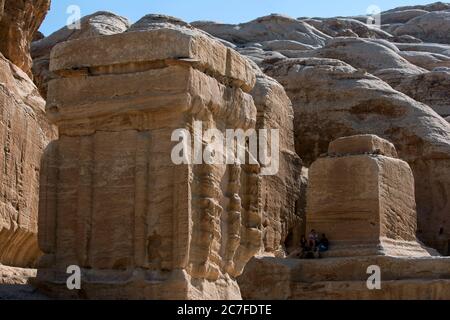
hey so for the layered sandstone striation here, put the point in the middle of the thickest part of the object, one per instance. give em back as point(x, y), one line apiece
point(18, 24)
point(113, 201)
point(362, 197)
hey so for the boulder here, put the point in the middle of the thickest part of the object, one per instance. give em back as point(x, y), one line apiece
point(425, 47)
point(426, 60)
point(430, 27)
point(331, 99)
point(99, 23)
point(431, 88)
point(20, 21)
point(272, 27)
point(156, 228)
point(280, 192)
point(353, 198)
point(379, 58)
point(341, 27)
point(436, 6)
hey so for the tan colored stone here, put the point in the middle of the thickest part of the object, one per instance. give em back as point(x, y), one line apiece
point(99, 23)
point(24, 134)
point(426, 60)
point(430, 27)
point(112, 200)
point(331, 99)
point(361, 144)
point(267, 278)
point(188, 46)
point(267, 28)
point(14, 276)
point(363, 199)
point(20, 21)
point(280, 192)
point(432, 88)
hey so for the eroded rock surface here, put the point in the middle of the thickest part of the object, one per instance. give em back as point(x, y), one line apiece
point(432, 88)
point(99, 23)
point(362, 197)
point(18, 24)
point(154, 229)
point(280, 192)
point(24, 134)
point(272, 27)
point(331, 99)
point(431, 27)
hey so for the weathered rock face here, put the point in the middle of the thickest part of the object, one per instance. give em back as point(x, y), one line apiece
point(267, 278)
point(24, 134)
point(425, 47)
point(426, 60)
point(402, 16)
point(112, 199)
point(432, 88)
point(431, 27)
point(282, 223)
point(332, 99)
point(377, 58)
point(99, 23)
point(272, 27)
point(340, 27)
point(20, 21)
point(362, 196)
point(436, 6)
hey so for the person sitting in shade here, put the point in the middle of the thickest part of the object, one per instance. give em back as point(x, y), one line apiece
point(323, 243)
point(313, 239)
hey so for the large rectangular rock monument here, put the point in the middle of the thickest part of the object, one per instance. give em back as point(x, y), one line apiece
point(113, 202)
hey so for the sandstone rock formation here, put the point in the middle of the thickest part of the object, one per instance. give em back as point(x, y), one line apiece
point(403, 278)
point(430, 27)
point(99, 23)
point(24, 134)
point(272, 27)
point(436, 6)
point(363, 199)
point(280, 192)
point(426, 60)
point(18, 24)
point(401, 16)
point(375, 57)
point(432, 88)
point(331, 99)
point(340, 27)
point(12, 276)
point(139, 225)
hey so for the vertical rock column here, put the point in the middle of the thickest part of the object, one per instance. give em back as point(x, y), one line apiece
point(113, 202)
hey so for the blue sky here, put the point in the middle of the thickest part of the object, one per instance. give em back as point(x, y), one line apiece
point(228, 11)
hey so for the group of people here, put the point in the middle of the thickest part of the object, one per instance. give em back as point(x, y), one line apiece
point(313, 246)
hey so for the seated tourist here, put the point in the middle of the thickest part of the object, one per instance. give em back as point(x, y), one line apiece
point(313, 239)
point(323, 243)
